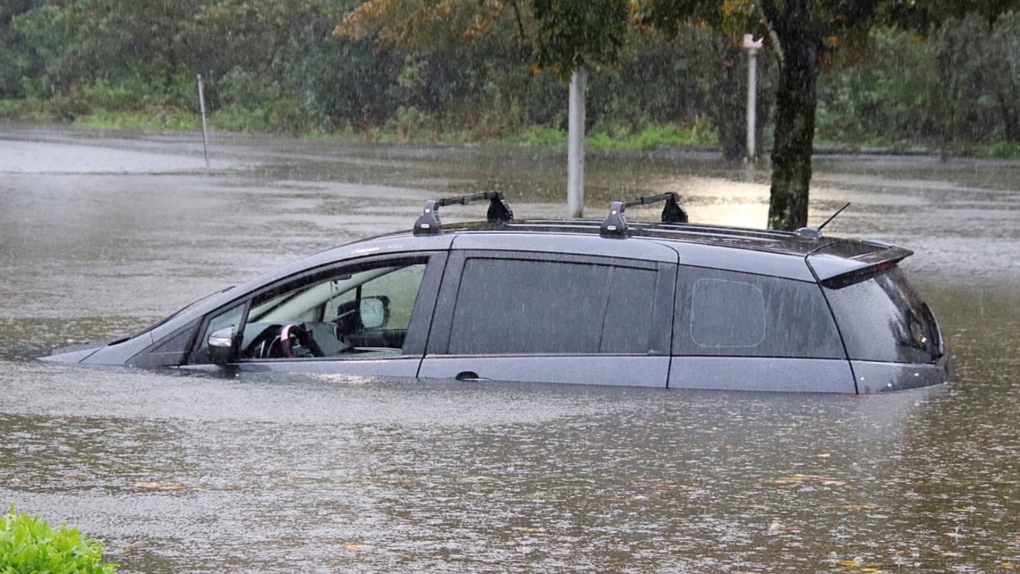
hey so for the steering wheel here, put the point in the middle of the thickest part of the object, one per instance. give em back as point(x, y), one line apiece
point(294, 334)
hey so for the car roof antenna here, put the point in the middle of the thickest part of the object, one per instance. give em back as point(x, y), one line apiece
point(816, 232)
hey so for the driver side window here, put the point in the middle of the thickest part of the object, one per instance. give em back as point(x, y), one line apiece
point(348, 312)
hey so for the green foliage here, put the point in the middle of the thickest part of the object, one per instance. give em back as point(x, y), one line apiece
point(161, 118)
point(282, 115)
point(29, 545)
point(573, 35)
point(701, 135)
point(37, 39)
point(461, 70)
point(978, 78)
point(24, 109)
point(538, 136)
point(1001, 150)
point(884, 98)
point(245, 89)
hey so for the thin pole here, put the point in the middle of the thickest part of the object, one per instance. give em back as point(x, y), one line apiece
point(575, 147)
point(752, 94)
point(205, 128)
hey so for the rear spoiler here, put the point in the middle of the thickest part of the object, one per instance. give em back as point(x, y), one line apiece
point(836, 271)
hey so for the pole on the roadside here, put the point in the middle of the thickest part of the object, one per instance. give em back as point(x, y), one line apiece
point(752, 48)
point(575, 145)
point(205, 128)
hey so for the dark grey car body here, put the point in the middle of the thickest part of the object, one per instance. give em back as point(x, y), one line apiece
point(664, 305)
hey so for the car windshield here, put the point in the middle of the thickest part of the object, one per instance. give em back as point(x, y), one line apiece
point(187, 307)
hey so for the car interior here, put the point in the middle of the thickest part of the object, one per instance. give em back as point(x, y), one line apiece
point(367, 311)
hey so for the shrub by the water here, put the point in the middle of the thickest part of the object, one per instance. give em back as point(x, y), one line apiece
point(30, 545)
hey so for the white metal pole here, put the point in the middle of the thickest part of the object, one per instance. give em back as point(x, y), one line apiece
point(575, 147)
point(205, 129)
point(752, 46)
point(752, 95)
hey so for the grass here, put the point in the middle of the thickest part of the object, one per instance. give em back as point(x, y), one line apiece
point(284, 119)
point(652, 137)
point(161, 118)
point(30, 545)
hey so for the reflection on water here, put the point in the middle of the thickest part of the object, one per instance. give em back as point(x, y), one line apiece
point(258, 473)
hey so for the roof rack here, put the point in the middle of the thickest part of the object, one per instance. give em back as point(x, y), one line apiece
point(615, 224)
point(428, 222)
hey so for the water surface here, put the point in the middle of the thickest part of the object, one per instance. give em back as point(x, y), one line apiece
point(102, 233)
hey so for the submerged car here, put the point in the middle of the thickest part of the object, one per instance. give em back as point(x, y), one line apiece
point(614, 302)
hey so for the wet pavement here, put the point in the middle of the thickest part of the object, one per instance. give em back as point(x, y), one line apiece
point(102, 233)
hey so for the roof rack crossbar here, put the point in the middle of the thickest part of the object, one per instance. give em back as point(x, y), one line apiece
point(499, 211)
point(615, 224)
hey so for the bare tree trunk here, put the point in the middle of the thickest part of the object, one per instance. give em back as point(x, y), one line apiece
point(1010, 117)
point(794, 131)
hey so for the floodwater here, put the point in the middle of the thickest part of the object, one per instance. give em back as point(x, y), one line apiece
point(103, 233)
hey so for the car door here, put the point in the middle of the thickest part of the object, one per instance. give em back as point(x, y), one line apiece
point(544, 317)
point(365, 317)
point(750, 332)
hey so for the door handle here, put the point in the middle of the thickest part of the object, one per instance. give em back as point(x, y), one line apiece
point(469, 376)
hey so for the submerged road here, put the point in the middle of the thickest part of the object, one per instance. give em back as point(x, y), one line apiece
point(102, 233)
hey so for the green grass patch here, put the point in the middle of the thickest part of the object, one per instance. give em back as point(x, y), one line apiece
point(652, 137)
point(24, 110)
point(537, 136)
point(164, 118)
point(657, 137)
point(29, 545)
point(999, 150)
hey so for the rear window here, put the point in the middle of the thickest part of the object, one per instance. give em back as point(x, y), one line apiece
point(725, 313)
point(508, 306)
point(883, 319)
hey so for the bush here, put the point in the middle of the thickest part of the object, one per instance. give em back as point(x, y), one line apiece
point(538, 136)
point(29, 545)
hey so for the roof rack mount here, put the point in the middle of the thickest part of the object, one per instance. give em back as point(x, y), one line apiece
point(615, 224)
point(428, 223)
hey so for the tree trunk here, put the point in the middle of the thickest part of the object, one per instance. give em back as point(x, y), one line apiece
point(1010, 117)
point(794, 132)
point(726, 96)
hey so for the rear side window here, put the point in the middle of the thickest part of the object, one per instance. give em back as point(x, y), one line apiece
point(725, 313)
point(883, 319)
point(509, 306)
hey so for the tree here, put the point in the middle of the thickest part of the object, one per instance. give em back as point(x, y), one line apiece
point(978, 79)
point(566, 36)
point(807, 36)
point(452, 50)
point(115, 40)
point(803, 34)
point(32, 34)
point(561, 35)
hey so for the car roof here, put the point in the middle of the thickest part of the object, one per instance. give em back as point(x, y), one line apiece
point(835, 255)
point(778, 242)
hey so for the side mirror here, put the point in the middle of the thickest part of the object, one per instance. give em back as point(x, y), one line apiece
point(221, 345)
point(374, 312)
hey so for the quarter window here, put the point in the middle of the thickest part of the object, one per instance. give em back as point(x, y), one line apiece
point(725, 313)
